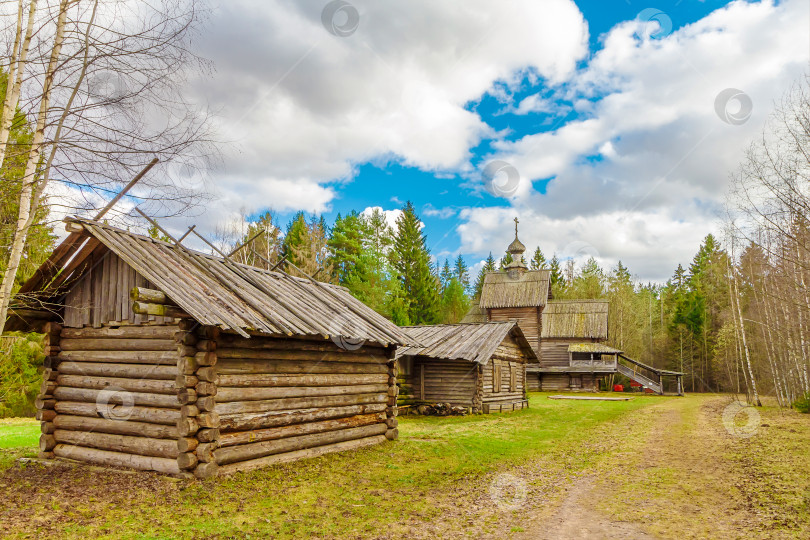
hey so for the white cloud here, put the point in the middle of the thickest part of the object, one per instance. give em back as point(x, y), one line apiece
point(301, 103)
point(391, 216)
point(664, 155)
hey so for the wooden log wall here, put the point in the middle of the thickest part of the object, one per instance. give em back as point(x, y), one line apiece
point(101, 296)
point(529, 319)
point(533, 382)
point(405, 381)
point(555, 353)
point(445, 381)
point(280, 399)
point(508, 364)
point(109, 397)
point(553, 382)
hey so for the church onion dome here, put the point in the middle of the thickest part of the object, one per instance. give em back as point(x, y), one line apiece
point(516, 247)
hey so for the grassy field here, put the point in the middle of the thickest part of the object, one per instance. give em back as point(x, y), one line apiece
point(666, 467)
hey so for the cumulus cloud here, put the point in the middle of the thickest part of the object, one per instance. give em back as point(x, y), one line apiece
point(302, 105)
point(642, 173)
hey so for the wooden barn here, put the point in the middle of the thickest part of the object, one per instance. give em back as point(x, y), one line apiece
point(478, 366)
point(215, 367)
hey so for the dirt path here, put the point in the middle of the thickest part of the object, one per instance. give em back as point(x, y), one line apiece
point(576, 519)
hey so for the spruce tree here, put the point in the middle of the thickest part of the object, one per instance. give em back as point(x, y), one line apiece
point(488, 268)
point(410, 257)
point(462, 272)
point(296, 240)
point(346, 247)
point(446, 275)
point(538, 261)
point(555, 275)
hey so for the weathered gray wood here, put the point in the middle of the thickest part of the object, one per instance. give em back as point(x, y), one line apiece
point(117, 344)
point(133, 385)
point(337, 357)
point(325, 379)
point(206, 470)
point(84, 423)
point(238, 407)
point(125, 398)
point(159, 310)
point(226, 394)
point(144, 446)
point(229, 366)
point(122, 332)
point(244, 452)
point(151, 415)
point(152, 296)
point(301, 454)
point(270, 419)
point(117, 459)
point(133, 371)
point(258, 435)
point(122, 357)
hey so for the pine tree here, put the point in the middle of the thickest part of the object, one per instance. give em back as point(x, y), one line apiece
point(295, 245)
point(410, 257)
point(505, 260)
point(446, 275)
point(488, 268)
point(538, 261)
point(462, 273)
point(346, 247)
point(557, 281)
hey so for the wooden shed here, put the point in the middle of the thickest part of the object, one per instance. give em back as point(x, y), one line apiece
point(216, 367)
point(479, 366)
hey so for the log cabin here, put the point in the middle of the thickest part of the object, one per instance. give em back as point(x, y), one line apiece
point(166, 359)
point(479, 366)
point(568, 336)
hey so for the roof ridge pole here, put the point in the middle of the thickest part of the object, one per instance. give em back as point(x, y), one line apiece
point(155, 223)
point(126, 189)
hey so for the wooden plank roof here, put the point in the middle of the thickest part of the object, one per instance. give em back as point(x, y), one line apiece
point(470, 342)
point(220, 292)
point(528, 289)
point(575, 319)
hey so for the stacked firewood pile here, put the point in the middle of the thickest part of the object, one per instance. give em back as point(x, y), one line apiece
point(441, 409)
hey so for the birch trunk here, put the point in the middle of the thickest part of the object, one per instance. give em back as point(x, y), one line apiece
point(757, 402)
point(16, 71)
point(28, 194)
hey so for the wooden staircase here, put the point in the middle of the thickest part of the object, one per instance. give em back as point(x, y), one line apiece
point(648, 376)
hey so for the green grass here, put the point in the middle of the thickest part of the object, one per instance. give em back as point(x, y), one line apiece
point(19, 437)
point(356, 493)
point(660, 459)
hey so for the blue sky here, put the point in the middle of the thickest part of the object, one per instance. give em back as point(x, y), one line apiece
point(607, 112)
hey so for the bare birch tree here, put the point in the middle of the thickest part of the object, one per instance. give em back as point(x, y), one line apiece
point(103, 83)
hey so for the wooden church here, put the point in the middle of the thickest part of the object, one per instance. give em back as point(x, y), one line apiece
point(568, 336)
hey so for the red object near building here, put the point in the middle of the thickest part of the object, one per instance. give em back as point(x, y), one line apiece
point(648, 391)
point(634, 384)
point(618, 388)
